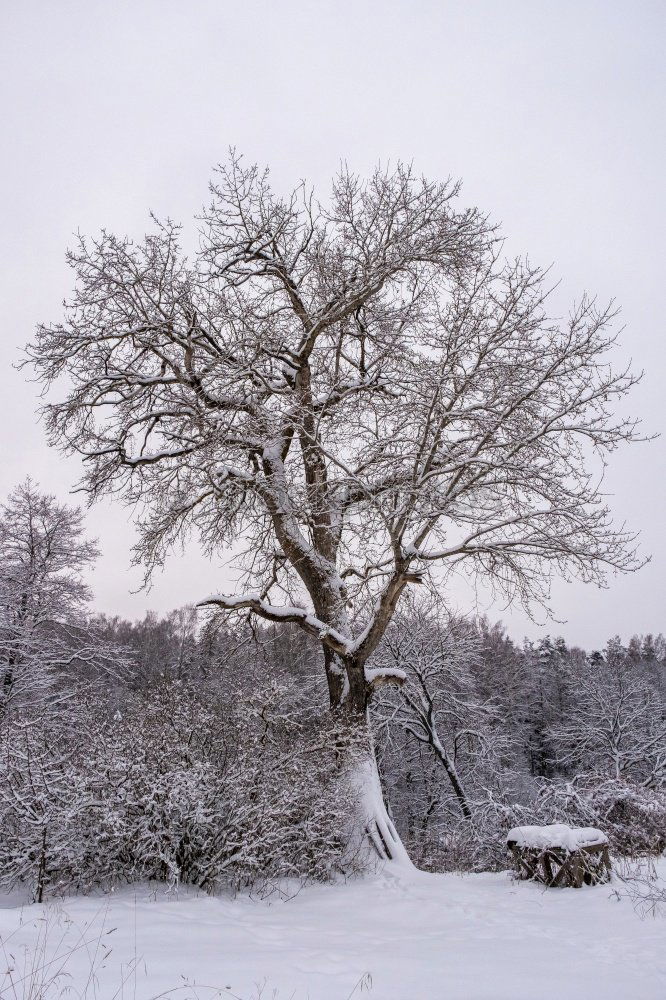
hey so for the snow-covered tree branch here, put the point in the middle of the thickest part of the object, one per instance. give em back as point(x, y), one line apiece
point(360, 390)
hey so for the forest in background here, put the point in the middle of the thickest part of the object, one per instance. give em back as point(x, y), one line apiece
point(200, 749)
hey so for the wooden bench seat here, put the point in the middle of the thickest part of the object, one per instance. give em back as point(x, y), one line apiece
point(559, 855)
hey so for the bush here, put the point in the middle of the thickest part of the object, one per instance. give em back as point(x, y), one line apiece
point(632, 817)
point(169, 787)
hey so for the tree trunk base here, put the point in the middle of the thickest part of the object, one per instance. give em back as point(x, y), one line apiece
point(382, 840)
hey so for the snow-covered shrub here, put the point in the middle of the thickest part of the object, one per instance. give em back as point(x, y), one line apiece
point(632, 816)
point(170, 787)
point(453, 842)
point(33, 796)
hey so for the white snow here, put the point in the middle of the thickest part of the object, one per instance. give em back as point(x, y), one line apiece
point(277, 612)
point(375, 674)
point(556, 835)
point(412, 937)
point(379, 825)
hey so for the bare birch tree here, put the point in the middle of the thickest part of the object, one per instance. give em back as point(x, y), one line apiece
point(359, 390)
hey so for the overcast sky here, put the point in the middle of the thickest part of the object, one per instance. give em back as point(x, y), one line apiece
point(551, 113)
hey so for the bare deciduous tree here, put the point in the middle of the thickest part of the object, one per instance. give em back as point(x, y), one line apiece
point(360, 391)
point(438, 707)
point(46, 646)
point(617, 726)
point(43, 597)
point(437, 700)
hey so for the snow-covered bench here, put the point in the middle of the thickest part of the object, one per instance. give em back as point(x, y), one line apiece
point(560, 855)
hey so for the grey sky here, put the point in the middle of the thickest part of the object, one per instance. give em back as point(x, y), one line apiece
point(552, 114)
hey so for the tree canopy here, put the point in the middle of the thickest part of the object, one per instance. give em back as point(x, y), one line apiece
point(359, 390)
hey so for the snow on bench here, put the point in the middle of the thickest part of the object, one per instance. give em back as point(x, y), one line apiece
point(556, 835)
point(560, 855)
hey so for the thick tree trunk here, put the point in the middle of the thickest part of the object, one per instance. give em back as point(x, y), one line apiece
point(349, 695)
point(347, 687)
point(336, 675)
point(382, 837)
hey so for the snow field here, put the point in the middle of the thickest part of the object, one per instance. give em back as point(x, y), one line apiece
point(412, 937)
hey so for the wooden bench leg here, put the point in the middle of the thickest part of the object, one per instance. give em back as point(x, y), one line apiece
point(556, 867)
point(577, 871)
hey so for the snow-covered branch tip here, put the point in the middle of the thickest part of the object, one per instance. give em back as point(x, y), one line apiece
point(377, 677)
point(328, 636)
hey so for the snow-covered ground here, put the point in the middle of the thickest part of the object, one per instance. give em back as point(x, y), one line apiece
point(417, 937)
